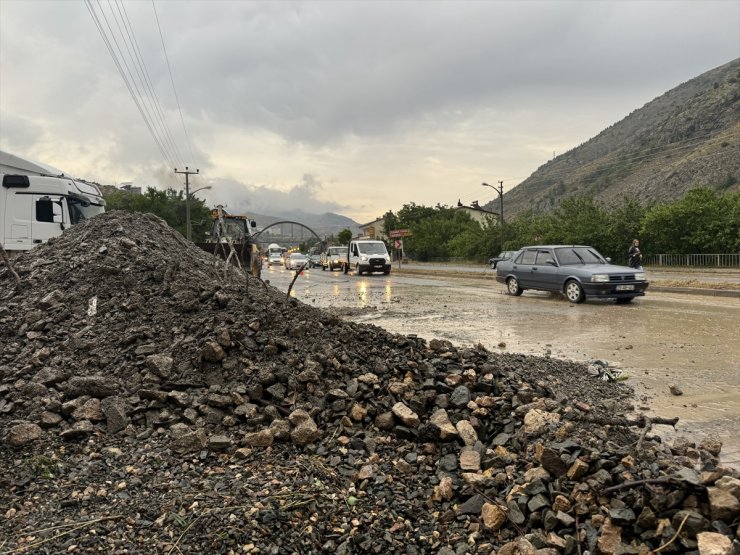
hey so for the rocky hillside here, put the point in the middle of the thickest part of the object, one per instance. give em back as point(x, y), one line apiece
point(689, 137)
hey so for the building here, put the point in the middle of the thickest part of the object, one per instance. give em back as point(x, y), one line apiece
point(374, 230)
point(477, 213)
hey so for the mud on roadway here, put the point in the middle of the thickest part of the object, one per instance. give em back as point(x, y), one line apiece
point(663, 339)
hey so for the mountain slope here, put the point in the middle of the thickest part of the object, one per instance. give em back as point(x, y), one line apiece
point(689, 137)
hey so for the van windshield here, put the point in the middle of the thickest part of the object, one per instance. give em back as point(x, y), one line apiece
point(371, 248)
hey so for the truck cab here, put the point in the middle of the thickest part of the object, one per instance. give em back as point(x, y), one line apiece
point(36, 206)
point(333, 257)
point(367, 256)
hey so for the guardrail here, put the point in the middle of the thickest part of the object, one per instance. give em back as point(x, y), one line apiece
point(693, 260)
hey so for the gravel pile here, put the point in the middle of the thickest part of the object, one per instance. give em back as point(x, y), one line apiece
point(153, 400)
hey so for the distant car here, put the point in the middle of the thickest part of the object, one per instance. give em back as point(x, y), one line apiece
point(296, 260)
point(503, 255)
point(274, 258)
point(577, 271)
point(314, 260)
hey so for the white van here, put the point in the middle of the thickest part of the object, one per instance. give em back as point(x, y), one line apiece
point(367, 256)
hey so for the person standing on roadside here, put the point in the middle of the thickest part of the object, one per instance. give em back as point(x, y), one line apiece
point(635, 256)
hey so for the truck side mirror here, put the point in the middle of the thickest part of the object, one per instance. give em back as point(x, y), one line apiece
point(57, 213)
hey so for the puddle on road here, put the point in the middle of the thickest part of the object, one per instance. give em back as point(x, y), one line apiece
point(658, 340)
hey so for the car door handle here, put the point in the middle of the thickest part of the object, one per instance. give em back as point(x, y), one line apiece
point(534, 268)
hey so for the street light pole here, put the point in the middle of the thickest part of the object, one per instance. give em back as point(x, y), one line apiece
point(187, 198)
point(500, 191)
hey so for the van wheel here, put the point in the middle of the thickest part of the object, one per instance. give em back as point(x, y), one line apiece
point(345, 267)
point(357, 270)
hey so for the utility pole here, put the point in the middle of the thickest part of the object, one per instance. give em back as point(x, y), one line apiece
point(500, 191)
point(187, 174)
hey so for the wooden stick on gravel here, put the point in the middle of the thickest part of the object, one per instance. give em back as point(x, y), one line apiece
point(625, 485)
point(74, 529)
point(662, 547)
point(4, 256)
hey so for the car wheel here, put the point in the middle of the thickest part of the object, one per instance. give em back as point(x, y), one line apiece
point(513, 285)
point(625, 300)
point(574, 292)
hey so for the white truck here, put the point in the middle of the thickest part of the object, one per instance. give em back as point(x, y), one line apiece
point(38, 202)
point(367, 256)
point(333, 257)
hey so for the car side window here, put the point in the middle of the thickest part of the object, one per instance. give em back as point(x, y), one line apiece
point(543, 257)
point(527, 257)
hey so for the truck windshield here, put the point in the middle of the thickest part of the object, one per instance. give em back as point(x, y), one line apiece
point(79, 210)
point(372, 248)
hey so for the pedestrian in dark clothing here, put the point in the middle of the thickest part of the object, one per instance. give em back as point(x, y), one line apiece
point(635, 256)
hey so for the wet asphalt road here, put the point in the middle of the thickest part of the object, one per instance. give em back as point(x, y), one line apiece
point(658, 340)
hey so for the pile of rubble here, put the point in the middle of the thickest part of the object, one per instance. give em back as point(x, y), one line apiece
point(153, 400)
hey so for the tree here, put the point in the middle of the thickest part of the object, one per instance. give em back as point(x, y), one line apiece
point(701, 222)
point(168, 205)
point(344, 236)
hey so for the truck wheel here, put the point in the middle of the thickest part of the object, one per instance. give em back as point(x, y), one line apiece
point(345, 267)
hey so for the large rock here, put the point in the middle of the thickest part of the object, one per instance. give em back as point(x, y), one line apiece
point(712, 543)
point(304, 429)
point(722, 504)
point(115, 409)
point(492, 516)
point(536, 421)
point(441, 421)
point(406, 415)
point(160, 364)
point(94, 386)
point(23, 433)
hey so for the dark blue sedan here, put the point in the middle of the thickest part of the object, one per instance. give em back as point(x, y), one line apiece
point(577, 271)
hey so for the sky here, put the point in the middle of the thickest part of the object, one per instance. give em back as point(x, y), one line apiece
point(338, 106)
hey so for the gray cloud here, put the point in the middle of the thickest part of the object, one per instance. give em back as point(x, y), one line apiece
point(374, 99)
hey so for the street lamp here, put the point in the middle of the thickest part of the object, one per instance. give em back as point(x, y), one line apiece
point(187, 174)
point(500, 191)
point(187, 202)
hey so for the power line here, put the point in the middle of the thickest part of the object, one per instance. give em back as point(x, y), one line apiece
point(145, 78)
point(172, 80)
point(106, 40)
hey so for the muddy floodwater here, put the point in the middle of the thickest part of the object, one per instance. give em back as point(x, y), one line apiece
point(660, 340)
